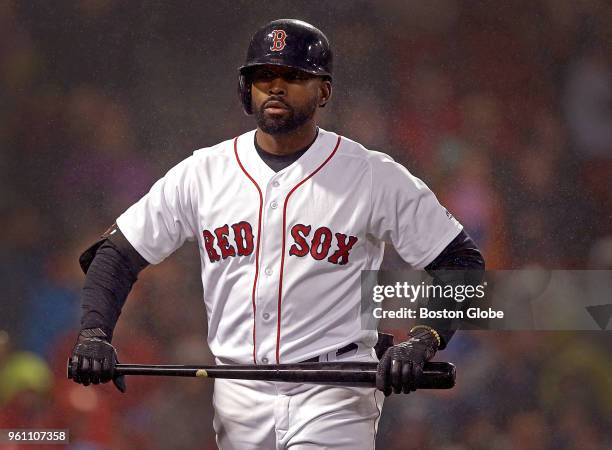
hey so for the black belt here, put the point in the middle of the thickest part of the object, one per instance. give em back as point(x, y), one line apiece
point(340, 351)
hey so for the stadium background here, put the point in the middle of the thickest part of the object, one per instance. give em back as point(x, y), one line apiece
point(504, 108)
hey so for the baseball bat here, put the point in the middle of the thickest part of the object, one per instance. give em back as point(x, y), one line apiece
point(436, 375)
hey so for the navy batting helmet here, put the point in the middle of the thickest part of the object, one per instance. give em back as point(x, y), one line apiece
point(289, 43)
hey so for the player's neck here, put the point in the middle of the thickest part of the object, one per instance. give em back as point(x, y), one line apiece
point(286, 144)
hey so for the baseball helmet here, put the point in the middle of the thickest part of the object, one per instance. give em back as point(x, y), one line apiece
point(289, 43)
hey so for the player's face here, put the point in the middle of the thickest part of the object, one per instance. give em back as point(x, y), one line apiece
point(285, 99)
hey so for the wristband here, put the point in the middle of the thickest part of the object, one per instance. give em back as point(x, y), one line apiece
point(433, 332)
point(94, 333)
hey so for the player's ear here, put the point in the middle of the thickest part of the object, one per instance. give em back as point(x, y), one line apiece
point(325, 92)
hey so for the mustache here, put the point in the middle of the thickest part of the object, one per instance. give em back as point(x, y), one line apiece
point(275, 99)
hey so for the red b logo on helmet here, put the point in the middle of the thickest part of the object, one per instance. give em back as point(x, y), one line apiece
point(278, 40)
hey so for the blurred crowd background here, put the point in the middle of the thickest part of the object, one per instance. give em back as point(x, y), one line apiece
point(503, 107)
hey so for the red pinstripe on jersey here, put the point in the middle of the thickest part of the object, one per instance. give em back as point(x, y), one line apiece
point(256, 248)
point(280, 283)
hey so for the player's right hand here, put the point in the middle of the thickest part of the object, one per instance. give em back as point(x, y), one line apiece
point(93, 359)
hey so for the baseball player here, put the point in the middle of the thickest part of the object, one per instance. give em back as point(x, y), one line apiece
point(286, 217)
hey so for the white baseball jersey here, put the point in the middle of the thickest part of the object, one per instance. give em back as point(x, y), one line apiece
point(282, 252)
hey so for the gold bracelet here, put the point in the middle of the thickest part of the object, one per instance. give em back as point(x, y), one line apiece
point(434, 332)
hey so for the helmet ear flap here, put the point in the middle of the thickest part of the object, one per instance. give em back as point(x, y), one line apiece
point(244, 92)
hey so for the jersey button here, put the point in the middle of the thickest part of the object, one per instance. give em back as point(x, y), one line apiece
point(266, 316)
point(264, 360)
point(268, 271)
point(273, 205)
point(275, 183)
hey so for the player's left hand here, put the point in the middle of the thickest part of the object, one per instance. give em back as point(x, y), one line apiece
point(402, 365)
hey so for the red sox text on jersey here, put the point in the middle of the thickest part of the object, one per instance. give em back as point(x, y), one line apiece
point(319, 245)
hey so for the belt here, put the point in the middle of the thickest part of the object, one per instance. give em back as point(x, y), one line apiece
point(340, 351)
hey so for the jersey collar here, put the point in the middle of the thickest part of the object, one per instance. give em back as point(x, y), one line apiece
point(318, 152)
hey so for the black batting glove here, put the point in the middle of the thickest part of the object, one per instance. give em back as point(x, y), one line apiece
point(401, 367)
point(93, 359)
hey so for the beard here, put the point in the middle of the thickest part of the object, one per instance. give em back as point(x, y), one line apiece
point(291, 120)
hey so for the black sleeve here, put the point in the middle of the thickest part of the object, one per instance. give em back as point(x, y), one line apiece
point(459, 263)
point(461, 253)
point(112, 267)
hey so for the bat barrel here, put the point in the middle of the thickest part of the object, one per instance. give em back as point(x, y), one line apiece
point(438, 375)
